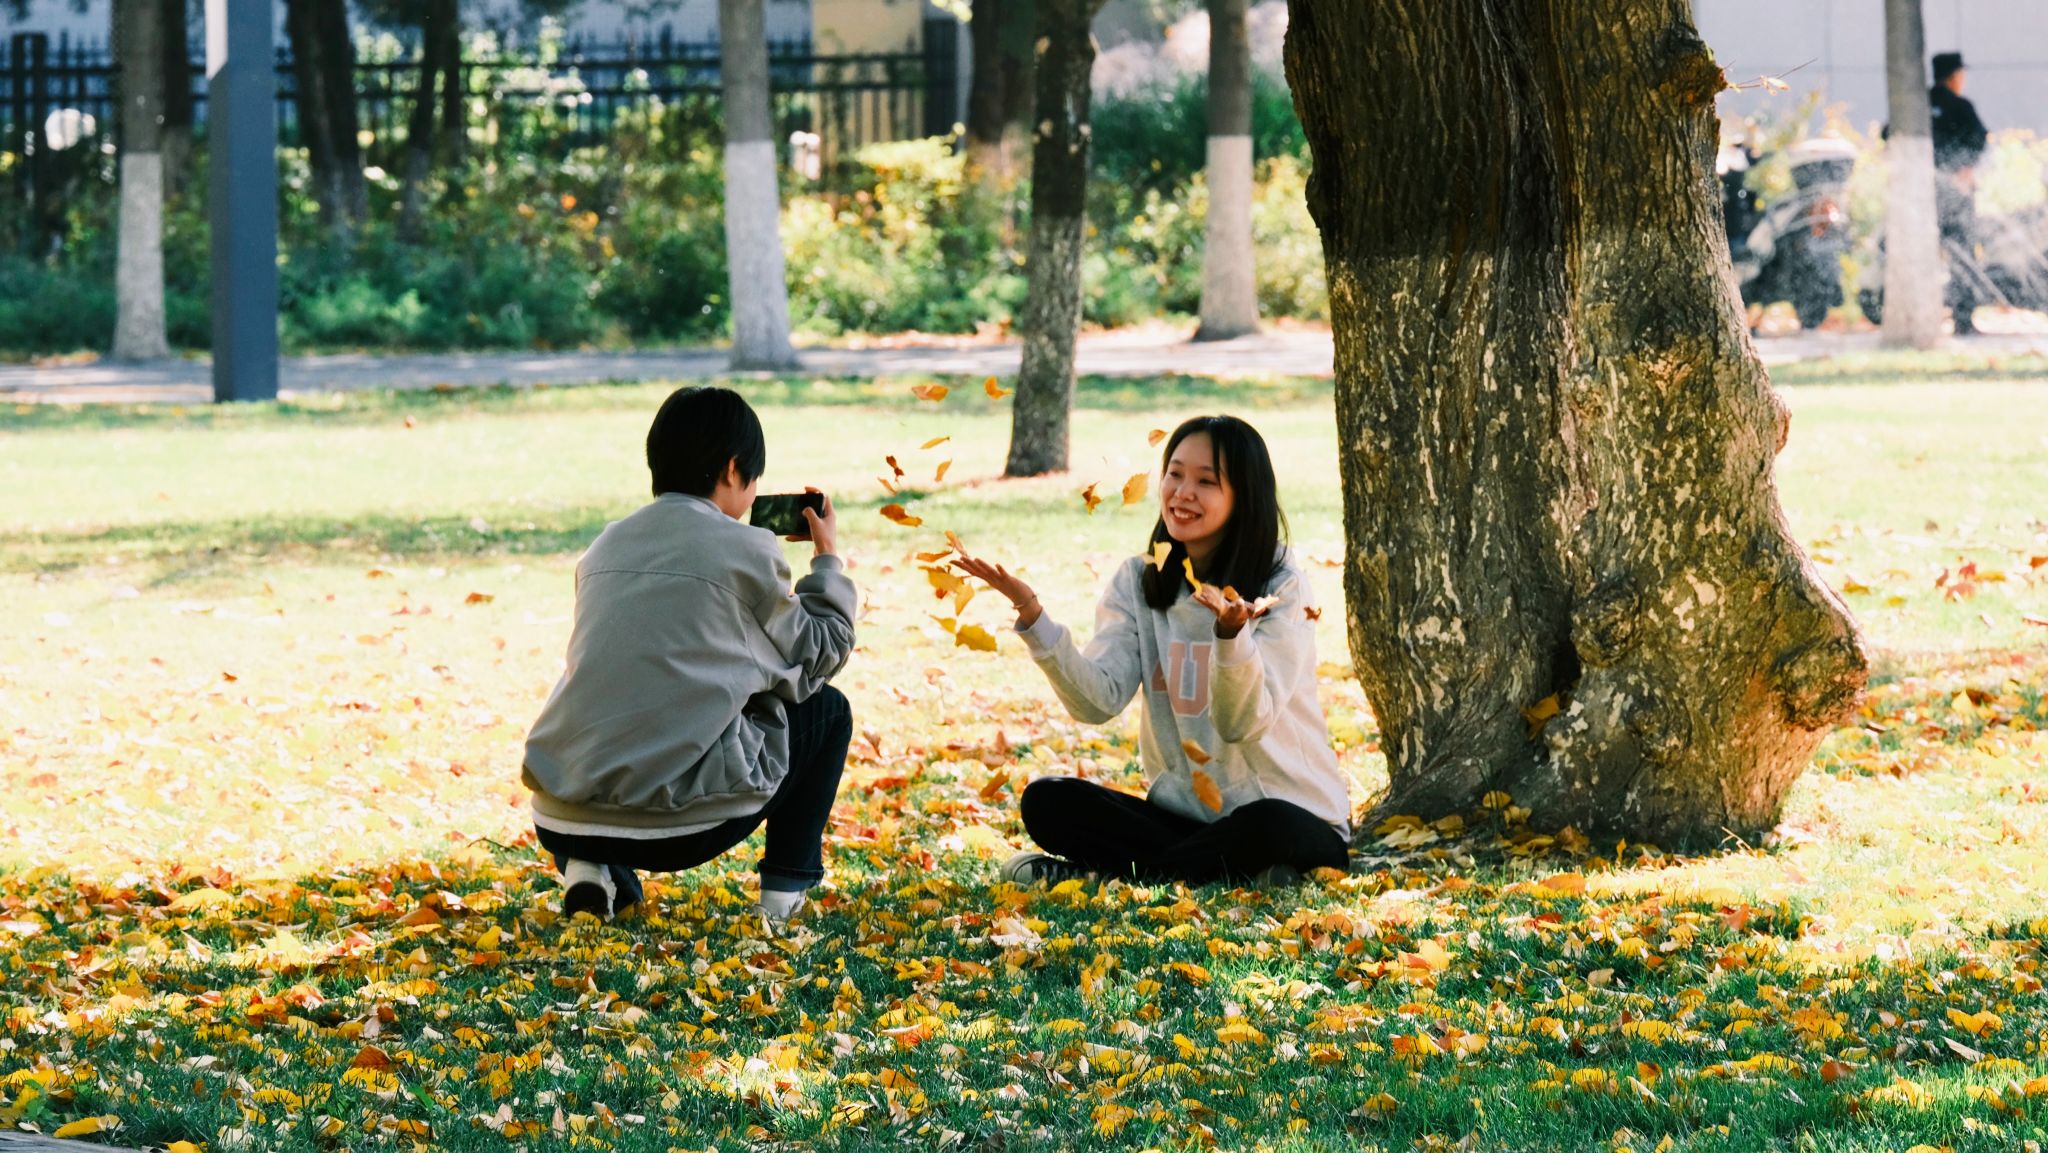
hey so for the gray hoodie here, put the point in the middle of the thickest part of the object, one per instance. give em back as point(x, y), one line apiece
point(688, 643)
point(1248, 702)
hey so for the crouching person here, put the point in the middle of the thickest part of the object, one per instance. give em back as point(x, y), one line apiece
point(696, 703)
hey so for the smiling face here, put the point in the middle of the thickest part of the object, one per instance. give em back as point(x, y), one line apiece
point(1195, 497)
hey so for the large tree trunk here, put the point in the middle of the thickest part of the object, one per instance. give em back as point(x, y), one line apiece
point(1912, 267)
point(753, 203)
point(446, 19)
point(323, 59)
point(1001, 95)
point(1230, 287)
point(139, 247)
point(440, 63)
point(1052, 254)
point(177, 131)
point(1555, 437)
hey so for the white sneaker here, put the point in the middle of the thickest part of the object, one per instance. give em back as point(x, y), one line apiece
point(778, 909)
point(1029, 867)
point(587, 888)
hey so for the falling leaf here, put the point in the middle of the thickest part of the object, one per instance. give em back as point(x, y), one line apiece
point(941, 475)
point(478, 599)
point(950, 584)
point(1195, 752)
point(1187, 565)
point(377, 574)
point(953, 539)
point(229, 677)
point(1312, 612)
point(894, 468)
point(87, 1126)
point(1539, 714)
point(929, 557)
point(895, 512)
point(995, 391)
point(934, 442)
point(888, 486)
point(1136, 487)
point(1153, 438)
point(932, 392)
point(1206, 790)
point(1089, 498)
point(1160, 551)
point(974, 637)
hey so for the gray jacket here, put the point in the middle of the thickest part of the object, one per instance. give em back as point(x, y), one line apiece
point(687, 646)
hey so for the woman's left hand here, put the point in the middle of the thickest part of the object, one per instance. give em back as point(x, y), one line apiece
point(1232, 612)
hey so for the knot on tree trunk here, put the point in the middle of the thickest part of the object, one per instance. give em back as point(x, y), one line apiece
point(1819, 682)
point(1662, 732)
point(1693, 79)
point(1604, 624)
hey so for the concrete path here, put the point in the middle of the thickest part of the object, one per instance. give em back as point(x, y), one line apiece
point(1144, 351)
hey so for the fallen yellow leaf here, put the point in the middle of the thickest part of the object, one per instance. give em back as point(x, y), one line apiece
point(87, 1126)
point(1539, 714)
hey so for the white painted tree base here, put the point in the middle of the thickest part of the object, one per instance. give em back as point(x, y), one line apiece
point(139, 261)
point(753, 252)
point(1912, 244)
point(1230, 286)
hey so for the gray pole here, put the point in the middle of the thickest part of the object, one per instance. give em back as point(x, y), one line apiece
point(241, 131)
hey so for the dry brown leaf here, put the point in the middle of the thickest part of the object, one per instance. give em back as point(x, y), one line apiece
point(1089, 498)
point(896, 513)
point(1206, 790)
point(995, 785)
point(1312, 612)
point(894, 467)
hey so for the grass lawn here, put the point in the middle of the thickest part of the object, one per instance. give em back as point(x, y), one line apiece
point(266, 879)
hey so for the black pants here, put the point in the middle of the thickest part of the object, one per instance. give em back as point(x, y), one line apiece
point(819, 730)
point(1117, 834)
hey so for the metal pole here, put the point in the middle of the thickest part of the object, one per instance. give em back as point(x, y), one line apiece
point(241, 132)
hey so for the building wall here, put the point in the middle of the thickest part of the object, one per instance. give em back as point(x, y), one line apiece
point(1837, 46)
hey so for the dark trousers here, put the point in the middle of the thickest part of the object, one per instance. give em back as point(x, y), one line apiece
point(819, 730)
point(1117, 834)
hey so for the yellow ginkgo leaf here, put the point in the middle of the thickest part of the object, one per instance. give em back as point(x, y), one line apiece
point(1160, 551)
point(201, 899)
point(1155, 436)
point(895, 512)
point(935, 442)
point(87, 1126)
point(974, 637)
point(1539, 714)
point(183, 1147)
point(1136, 487)
point(1195, 752)
point(953, 539)
point(933, 392)
point(1206, 790)
point(941, 475)
point(1187, 565)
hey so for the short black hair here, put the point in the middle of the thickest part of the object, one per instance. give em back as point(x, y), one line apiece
point(1248, 556)
point(698, 430)
point(1947, 64)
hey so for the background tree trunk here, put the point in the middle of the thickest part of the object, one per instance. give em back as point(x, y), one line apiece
point(440, 27)
point(1052, 253)
point(753, 202)
point(1002, 94)
point(177, 132)
point(1230, 288)
point(323, 59)
point(1912, 241)
point(1556, 439)
point(446, 19)
point(139, 247)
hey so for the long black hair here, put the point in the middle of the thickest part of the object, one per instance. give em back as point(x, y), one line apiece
point(1249, 553)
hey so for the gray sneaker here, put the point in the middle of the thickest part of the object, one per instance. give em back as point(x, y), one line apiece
point(1030, 867)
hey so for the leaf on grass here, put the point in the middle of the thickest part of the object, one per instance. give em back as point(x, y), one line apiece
point(934, 442)
point(932, 392)
point(1089, 498)
point(1195, 752)
point(895, 512)
point(370, 1057)
point(943, 466)
point(87, 1126)
point(1136, 488)
point(1153, 438)
point(995, 391)
point(201, 899)
point(1539, 714)
point(995, 785)
point(974, 637)
point(1975, 1024)
point(1206, 790)
point(1160, 551)
point(478, 599)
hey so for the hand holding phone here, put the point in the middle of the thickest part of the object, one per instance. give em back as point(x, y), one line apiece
point(804, 516)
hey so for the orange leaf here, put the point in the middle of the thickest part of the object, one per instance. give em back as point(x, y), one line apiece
point(371, 1057)
point(1195, 752)
point(953, 539)
point(478, 599)
point(929, 557)
point(943, 466)
point(1206, 790)
point(1089, 498)
point(423, 915)
point(935, 442)
point(950, 584)
point(895, 512)
point(1136, 487)
point(1312, 612)
point(229, 677)
point(1539, 714)
point(888, 486)
point(1153, 438)
point(994, 786)
point(932, 392)
point(894, 467)
point(375, 573)
point(995, 391)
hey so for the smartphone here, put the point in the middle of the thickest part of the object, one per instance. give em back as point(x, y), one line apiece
point(782, 513)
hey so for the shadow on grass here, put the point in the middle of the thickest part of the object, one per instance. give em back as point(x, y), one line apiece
point(1099, 393)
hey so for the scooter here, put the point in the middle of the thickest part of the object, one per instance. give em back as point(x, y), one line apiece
point(1791, 249)
point(2002, 260)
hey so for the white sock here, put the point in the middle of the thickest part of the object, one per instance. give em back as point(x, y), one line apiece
point(779, 904)
point(575, 872)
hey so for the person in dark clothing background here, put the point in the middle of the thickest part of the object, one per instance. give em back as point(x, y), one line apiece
point(1959, 139)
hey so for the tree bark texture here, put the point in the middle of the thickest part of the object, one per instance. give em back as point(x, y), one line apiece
point(139, 246)
point(753, 204)
point(1912, 267)
point(1230, 288)
point(1002, 94)
point(440, 71)
point(1555, 437)
point(1052, 255)
point(178, 104)
point(323, 60)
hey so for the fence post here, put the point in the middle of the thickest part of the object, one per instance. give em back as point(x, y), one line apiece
point(241, 69)
point(941, 75)
point(30, 62)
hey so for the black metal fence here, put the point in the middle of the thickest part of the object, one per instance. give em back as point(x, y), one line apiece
point(63, 92)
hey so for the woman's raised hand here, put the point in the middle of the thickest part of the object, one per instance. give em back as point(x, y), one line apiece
point(1232, 612)
point(1000, 579)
